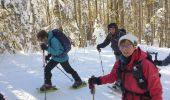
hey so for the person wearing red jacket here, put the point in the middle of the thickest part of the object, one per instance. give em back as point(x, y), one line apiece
point(131, 90)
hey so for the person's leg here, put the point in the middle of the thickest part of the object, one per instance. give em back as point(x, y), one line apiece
point(66, 66)
point(50, 65)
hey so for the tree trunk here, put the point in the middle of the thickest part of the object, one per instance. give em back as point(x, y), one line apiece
point(139, 21)
point(121, 9)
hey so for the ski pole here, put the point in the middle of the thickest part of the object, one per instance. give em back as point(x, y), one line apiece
point(156, 55)
point(65, 73)
point(45, 97)
point(92, 89)
point(101, 63)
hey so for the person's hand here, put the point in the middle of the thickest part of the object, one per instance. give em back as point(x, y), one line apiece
point(47, 57)
point(43, 46)
point(93, 80)
point(98, 48)
point(157, 62)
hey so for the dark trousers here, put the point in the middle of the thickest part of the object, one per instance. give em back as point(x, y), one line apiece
point(65, 65)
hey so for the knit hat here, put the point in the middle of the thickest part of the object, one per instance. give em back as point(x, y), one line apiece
point(129, 37)
point(112, 25)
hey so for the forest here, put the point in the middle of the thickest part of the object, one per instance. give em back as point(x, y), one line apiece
point(20, 20)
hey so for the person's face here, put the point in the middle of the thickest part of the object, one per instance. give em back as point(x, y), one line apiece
point(43, 40)
point(127, 48)
point(112, 30)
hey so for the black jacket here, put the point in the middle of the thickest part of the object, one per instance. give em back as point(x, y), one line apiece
point(114, 39)
point(166, 61)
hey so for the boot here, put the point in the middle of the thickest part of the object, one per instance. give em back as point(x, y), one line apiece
point(77, 84)
point(45, 87)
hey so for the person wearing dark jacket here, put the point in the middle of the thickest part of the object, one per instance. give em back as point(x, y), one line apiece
point(2, 97)
point(113, 38)
point(55, 51)
point(164, 62)
point(127, 70)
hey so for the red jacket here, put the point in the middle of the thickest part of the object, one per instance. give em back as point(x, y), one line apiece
point(150, 73)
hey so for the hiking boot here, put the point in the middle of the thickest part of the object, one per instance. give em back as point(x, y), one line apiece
point(77, 84)
point(45, 87)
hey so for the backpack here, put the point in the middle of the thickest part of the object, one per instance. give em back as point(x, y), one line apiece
point(138, 75)
point(122, 30)
point(64, 40)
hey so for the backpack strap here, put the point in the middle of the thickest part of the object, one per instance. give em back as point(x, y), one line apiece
point(65, 42)
point(138, 75)
point(141, 95)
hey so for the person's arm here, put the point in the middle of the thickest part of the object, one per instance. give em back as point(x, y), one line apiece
point(111, 77)
point(153, 80)
point(166, 61)
point(105, 42)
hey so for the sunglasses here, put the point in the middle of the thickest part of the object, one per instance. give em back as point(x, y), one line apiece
point(127, 46)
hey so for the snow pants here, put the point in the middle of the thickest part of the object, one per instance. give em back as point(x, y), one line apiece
point(65, 65)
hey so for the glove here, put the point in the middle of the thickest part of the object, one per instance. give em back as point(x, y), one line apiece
point(98, 48)
point(47, 57)
point(44, 46)
point(158, 62)
point(94, 80)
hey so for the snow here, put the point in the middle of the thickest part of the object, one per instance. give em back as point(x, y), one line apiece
point(99, 35)
point(21, 73)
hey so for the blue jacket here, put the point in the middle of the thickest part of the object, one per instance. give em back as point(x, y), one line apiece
point(56, 49)
point(166, 61)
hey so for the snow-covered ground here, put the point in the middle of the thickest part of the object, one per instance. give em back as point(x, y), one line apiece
point(21, 74)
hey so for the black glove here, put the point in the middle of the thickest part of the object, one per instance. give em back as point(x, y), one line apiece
point(98, 48)
point(47, 57)
point(94, 80)
point(158, 62)
point(44, 46)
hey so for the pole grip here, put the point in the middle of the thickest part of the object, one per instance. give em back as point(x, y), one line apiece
point(92, 87)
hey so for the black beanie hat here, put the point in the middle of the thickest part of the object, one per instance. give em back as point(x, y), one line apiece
point(112, 25)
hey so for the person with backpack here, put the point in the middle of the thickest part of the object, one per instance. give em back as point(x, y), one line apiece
point(113, 38)
point(164, 62)
point(54, 42)
point(139, 77)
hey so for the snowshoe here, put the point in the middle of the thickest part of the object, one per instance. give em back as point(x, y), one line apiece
point(47, 88)
point(78, 85)
point(115, 91)
point(116, 85)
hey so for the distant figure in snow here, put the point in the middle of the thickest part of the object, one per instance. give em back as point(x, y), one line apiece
point(164, 62)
